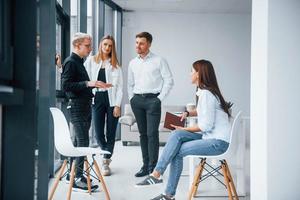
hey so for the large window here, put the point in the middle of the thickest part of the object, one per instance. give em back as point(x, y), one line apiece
point(1, 31)
point(113, 24)
point(109, 21)
point(0, 144)
point(74, 26)
point(90, 17)
point(5, 53)
point(62, 49)
point(118, 33)
point(58, 48)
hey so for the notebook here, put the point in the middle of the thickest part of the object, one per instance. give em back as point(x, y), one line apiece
point(173, 119)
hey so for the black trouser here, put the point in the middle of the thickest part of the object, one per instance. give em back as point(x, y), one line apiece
point(102, 110)
point(147, 111)
point(80, 116)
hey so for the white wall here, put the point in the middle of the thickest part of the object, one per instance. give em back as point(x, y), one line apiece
point(183, 38)
point(259, 75)
point(283, 99)
point(275, 84)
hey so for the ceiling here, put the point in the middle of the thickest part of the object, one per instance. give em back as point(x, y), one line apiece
point(191, 6)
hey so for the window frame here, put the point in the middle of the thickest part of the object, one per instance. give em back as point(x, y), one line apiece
point(6, 70)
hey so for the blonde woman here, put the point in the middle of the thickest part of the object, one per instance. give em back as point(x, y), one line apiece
point(104, 67)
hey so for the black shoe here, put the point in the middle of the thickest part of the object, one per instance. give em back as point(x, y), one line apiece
point(83, 179)
point(163, 197)
point(80, 186)
point(142, 172)
point(150, 170)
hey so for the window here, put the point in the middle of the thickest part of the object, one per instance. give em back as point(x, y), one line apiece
point(62, 48)
point(60, 2)
point(109, 21)
point(74, 18)
point(1, 31)
point(118, 33)
point(5, 53)
point(89, 17)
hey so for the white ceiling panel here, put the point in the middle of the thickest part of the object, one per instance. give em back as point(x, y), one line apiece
point(194, 6)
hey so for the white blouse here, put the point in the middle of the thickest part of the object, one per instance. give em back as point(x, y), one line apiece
point(212, 120)
point(113, 76)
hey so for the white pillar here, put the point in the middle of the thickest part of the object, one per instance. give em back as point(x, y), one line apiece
point(275, 100)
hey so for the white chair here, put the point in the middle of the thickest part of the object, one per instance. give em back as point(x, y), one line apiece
point(65, 147)
point(212, 171)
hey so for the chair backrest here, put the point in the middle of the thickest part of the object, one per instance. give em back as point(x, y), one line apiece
point(234, 134)
point(62, 137)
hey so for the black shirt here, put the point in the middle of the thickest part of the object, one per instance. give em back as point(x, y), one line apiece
point(74, 78)
point(101, 75)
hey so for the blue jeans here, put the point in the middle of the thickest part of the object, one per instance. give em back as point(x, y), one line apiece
point(180, 144)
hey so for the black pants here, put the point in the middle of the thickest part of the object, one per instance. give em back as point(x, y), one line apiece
point(102, 110)
point(147, 111)
point(80, 116)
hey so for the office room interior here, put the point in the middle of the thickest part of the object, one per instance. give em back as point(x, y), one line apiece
point(253, 45)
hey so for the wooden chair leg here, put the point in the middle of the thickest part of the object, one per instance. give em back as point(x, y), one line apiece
point(61, 171)
point(88, 175)
point(71, 180)
point(226, 180)
point(231, 182)
point(100, 177)
point(197, 179)
point(203, 162)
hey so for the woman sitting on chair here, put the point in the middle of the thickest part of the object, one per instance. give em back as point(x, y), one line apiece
point(210, 136)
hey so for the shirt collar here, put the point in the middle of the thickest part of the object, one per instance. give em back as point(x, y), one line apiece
point(199, 91)
point(149, 55)
point(77, 57)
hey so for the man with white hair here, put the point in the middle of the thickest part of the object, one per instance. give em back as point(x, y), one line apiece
point(78, 88)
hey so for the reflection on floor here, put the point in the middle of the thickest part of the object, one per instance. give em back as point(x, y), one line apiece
point(126, 162)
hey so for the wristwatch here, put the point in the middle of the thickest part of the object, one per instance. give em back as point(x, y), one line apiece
point(187, 112)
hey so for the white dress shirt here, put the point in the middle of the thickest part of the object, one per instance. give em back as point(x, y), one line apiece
point(113, 76)
point(149, 75)
point(212, 120)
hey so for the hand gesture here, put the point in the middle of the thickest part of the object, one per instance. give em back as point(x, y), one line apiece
point(99, 84)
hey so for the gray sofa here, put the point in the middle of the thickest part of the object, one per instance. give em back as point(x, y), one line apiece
point(129, 129)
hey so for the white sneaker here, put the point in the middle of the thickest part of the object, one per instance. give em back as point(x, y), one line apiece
point(105, 167)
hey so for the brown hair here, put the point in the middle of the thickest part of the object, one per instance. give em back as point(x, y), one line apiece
point(207, 80)
point(146, 35)
point(113, 55)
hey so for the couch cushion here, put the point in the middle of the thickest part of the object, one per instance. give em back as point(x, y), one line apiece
point(128, 120)
point(128, 110)
point(134, 127)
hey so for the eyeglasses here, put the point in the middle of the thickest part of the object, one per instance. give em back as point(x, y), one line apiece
point(87, 45)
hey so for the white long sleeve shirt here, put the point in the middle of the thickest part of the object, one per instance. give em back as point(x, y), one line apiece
point(212, 120)
point(149, 75)
point(112, 75)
